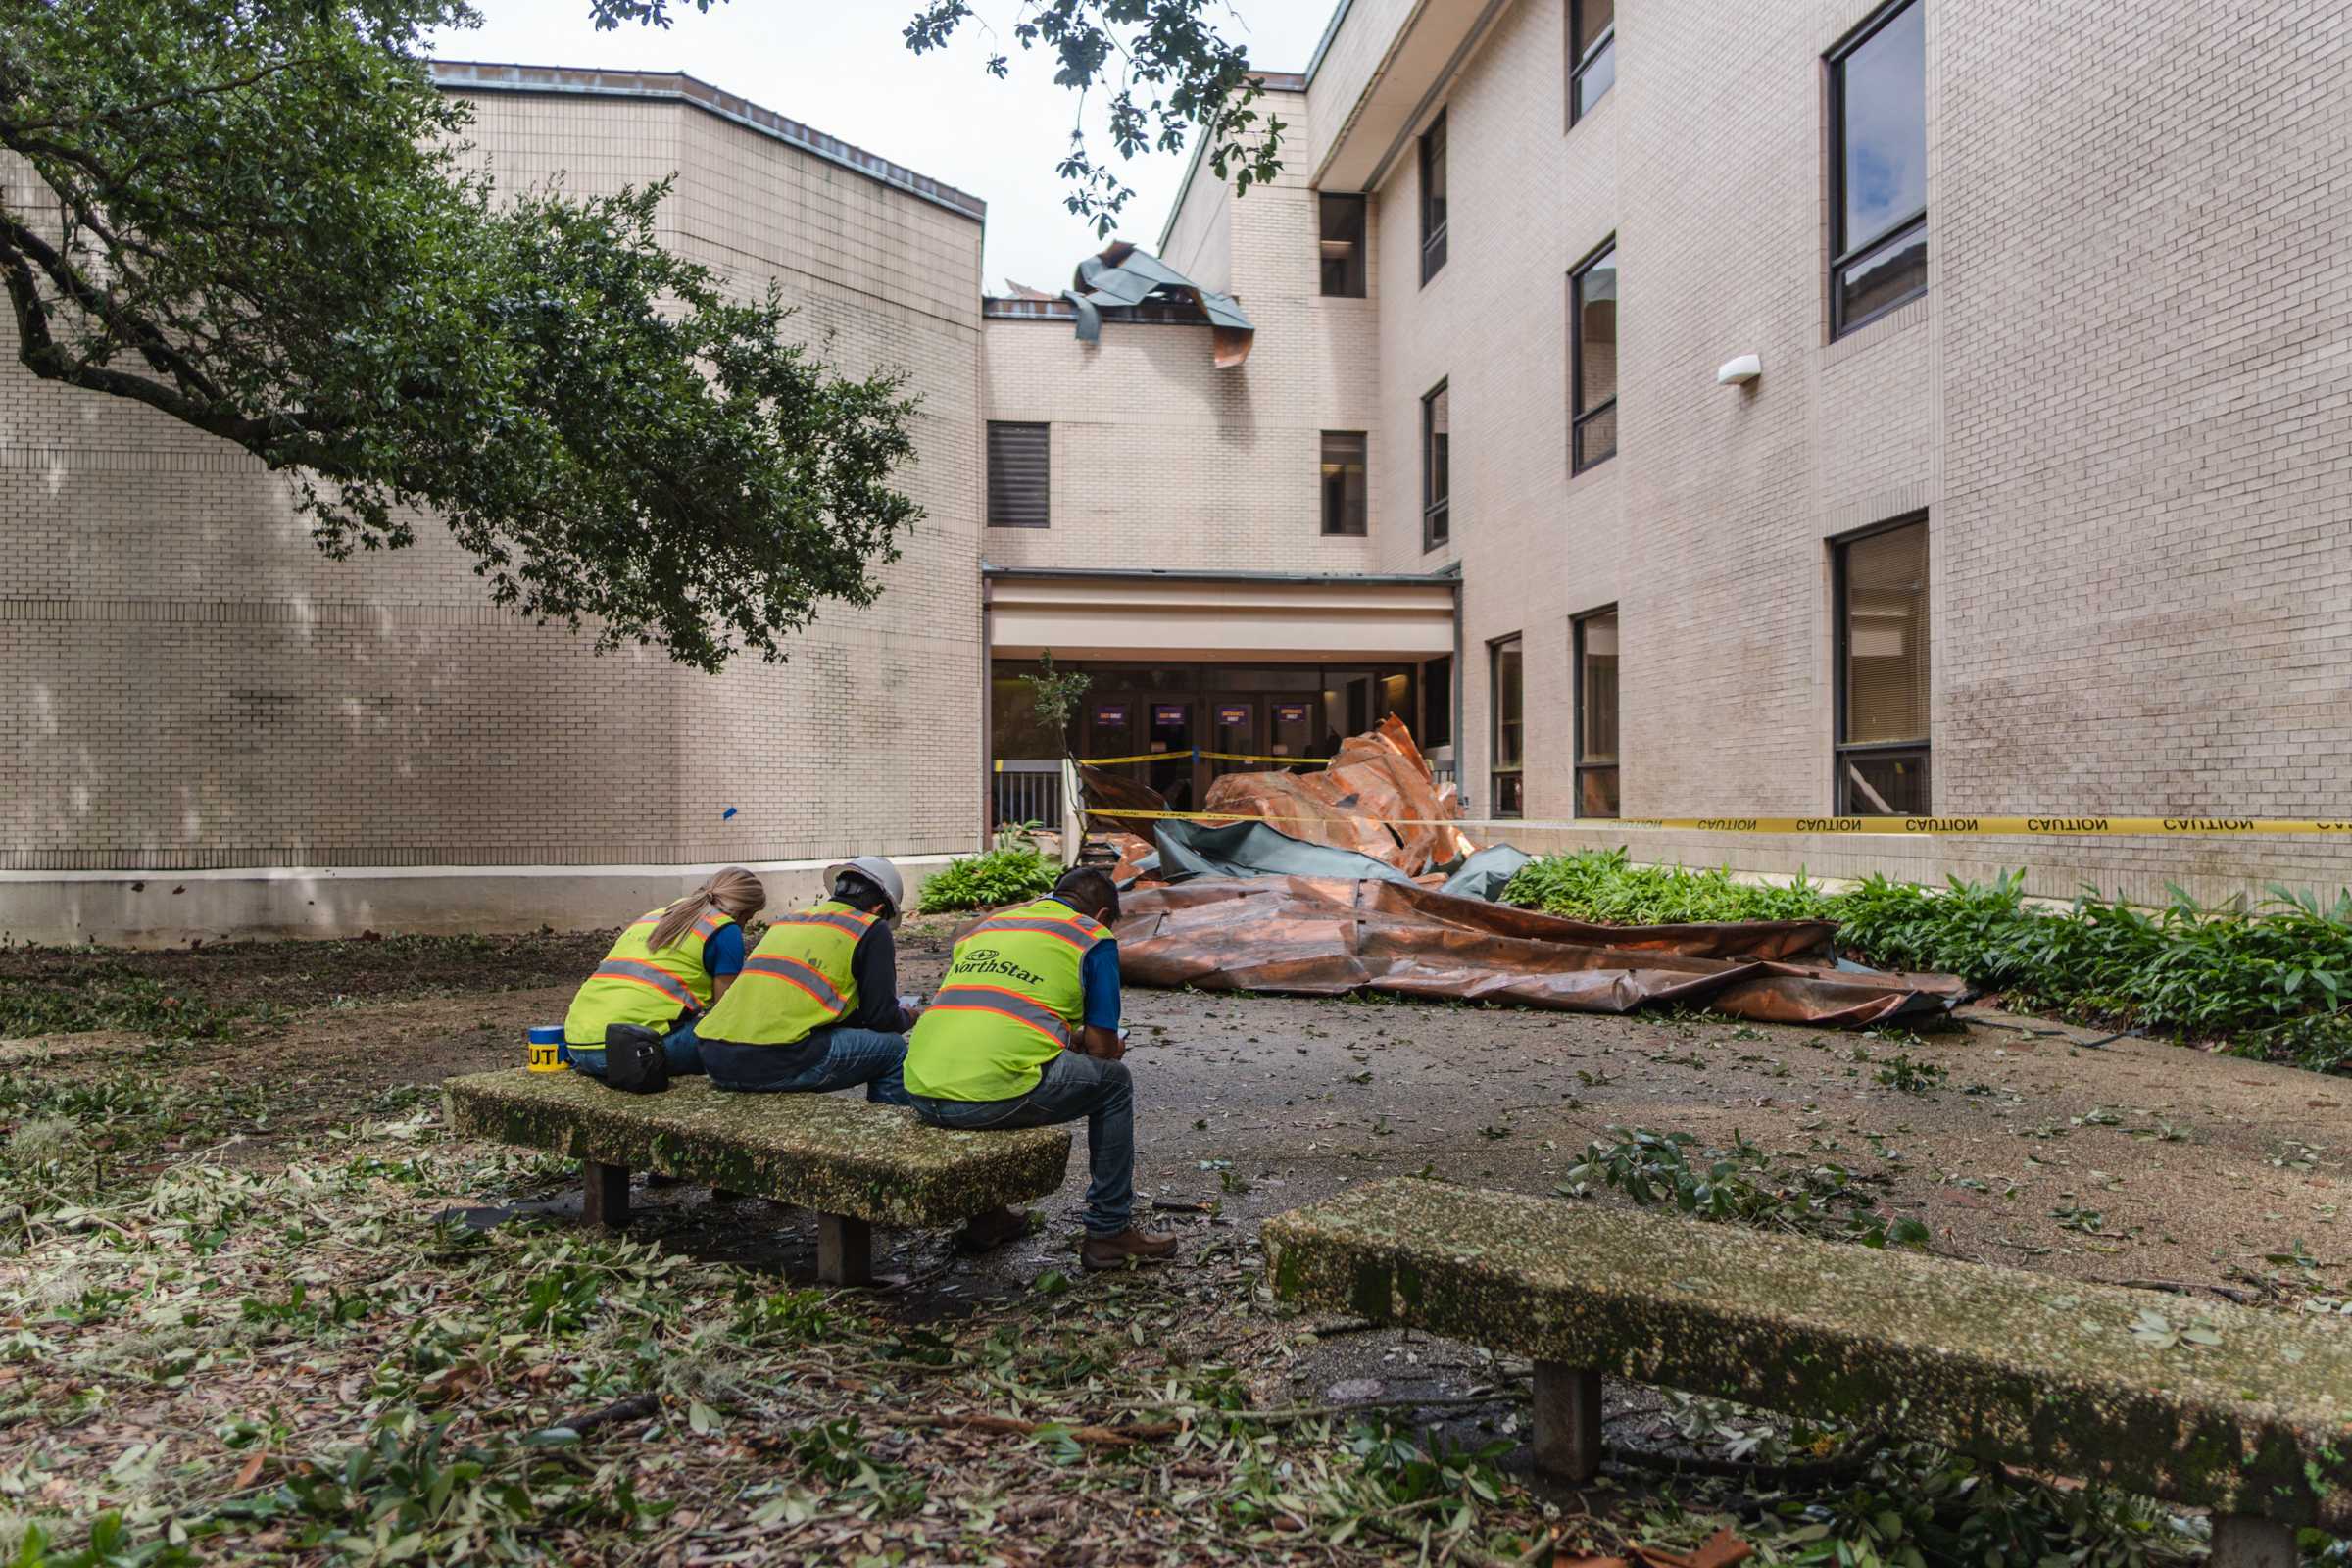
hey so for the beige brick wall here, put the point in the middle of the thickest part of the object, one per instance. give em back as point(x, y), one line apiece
point(1159, 459)
point(188, 683)
point(2121, 404)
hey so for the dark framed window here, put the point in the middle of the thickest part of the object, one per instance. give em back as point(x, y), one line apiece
point(1437, 476)
point(1019, 474)
point(1594, 326)
point(1592, 54)
point(1342, 246)
point(1878, 167)
point(1343, 509)
point(1595, 663)
point(1437, 704)
point(1879, 584)
point(1433, 197)
point(1509, 690)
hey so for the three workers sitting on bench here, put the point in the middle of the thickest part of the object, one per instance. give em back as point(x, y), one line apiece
point(1023, 1033)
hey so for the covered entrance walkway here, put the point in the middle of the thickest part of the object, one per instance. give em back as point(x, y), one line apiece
point(1274, 670)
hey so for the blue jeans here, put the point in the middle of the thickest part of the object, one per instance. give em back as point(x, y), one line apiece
point(839, 1058)
point(681, 1046)
point(1070, 1087)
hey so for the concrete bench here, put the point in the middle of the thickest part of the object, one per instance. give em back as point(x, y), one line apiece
point(857, 1164)
point(2078, 1380)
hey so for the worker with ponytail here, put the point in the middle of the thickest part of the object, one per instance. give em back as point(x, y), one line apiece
point(664, 972)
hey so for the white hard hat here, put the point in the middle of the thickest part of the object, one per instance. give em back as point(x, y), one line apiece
point(876, 870)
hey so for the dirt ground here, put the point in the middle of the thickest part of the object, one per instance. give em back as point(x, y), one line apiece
point(2018, 1142)
point(2197, 1168)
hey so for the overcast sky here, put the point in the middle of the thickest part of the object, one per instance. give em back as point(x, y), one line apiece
point(842, 66)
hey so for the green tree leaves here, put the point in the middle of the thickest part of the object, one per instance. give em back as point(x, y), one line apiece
point(1167, 70)
point(257, 218)
point(1164, 64)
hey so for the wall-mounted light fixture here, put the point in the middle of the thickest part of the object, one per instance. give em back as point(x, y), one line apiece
point(1739, 372)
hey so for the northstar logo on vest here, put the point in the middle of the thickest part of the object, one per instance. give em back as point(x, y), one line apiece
point(987, 960)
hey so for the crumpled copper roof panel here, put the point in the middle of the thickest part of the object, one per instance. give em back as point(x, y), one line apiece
point(1325, 936)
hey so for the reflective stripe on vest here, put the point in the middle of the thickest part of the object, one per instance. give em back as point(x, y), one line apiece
point(799, 979)
point(1077, 930)
point(637, 972)
point(1006, 1004)
point(637, 985)
point(1013, 998)
point(793, 971)
point(854, 922)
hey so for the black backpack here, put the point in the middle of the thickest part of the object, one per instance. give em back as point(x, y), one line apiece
point(634, 1061)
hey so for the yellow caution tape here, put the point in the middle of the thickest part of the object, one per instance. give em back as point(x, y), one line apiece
point(1244, 756)
point(1985, 826)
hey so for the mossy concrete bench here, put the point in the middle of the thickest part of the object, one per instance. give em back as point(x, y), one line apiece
point(857, 1164)
point(2247, 1412)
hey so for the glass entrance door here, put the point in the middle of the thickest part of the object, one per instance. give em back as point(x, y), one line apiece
point(1236, 727)
point(1171, 732)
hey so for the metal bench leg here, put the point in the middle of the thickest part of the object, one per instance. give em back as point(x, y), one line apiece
point(1568, 1422)
point(2242, 1541)
point(845, 1251)
point(605, 1195)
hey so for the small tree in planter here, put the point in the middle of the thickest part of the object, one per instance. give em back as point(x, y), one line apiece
point(1055, 696)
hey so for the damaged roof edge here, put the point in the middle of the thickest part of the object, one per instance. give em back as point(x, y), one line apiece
point(1449, 578)
point(478, 75)
point(998, 308)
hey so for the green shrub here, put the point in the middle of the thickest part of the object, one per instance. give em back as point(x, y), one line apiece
point(1599, 885)
point(2275, 982)
point(1004, 875)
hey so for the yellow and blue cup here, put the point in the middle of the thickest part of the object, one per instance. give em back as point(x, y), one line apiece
point(547, 1049)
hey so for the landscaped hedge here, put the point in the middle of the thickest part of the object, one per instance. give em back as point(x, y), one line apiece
point(1008, 874)
point(2273, 982)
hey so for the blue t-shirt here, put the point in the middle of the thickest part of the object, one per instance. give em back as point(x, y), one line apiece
point(1099, 980)
point(722, 949)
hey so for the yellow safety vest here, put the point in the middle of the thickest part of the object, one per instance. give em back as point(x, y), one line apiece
point(1013, 998)
point(799, 979)
point(637, 985)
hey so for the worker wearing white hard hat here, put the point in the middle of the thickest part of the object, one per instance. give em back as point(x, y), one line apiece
point(816, 1007)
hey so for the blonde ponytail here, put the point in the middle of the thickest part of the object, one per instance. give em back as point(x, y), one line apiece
point(734, 893)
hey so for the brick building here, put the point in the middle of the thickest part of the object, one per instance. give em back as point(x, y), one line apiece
point(2039, 503)
point(2034, 502)
point(213, 728)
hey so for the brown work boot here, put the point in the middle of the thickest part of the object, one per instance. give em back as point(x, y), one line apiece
point(985, 1232)
point(1115, 1252)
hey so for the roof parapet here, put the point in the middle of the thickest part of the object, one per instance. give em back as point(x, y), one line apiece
point(474, 76)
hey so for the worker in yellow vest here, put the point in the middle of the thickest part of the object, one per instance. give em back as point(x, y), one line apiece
point(816, 1007)
point(665, 971)
point(1024, 1032)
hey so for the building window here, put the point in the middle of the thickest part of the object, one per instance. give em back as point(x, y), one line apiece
point(1343, 509)
point(1437, 477)
point(1433, 199)
point(1592, 54)
point(1017, 472)
point(1344, 247)
point(1596, 653)
point(1881, 601)
point(1594, 324)
point(1879, 168)
point(1510, 729)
